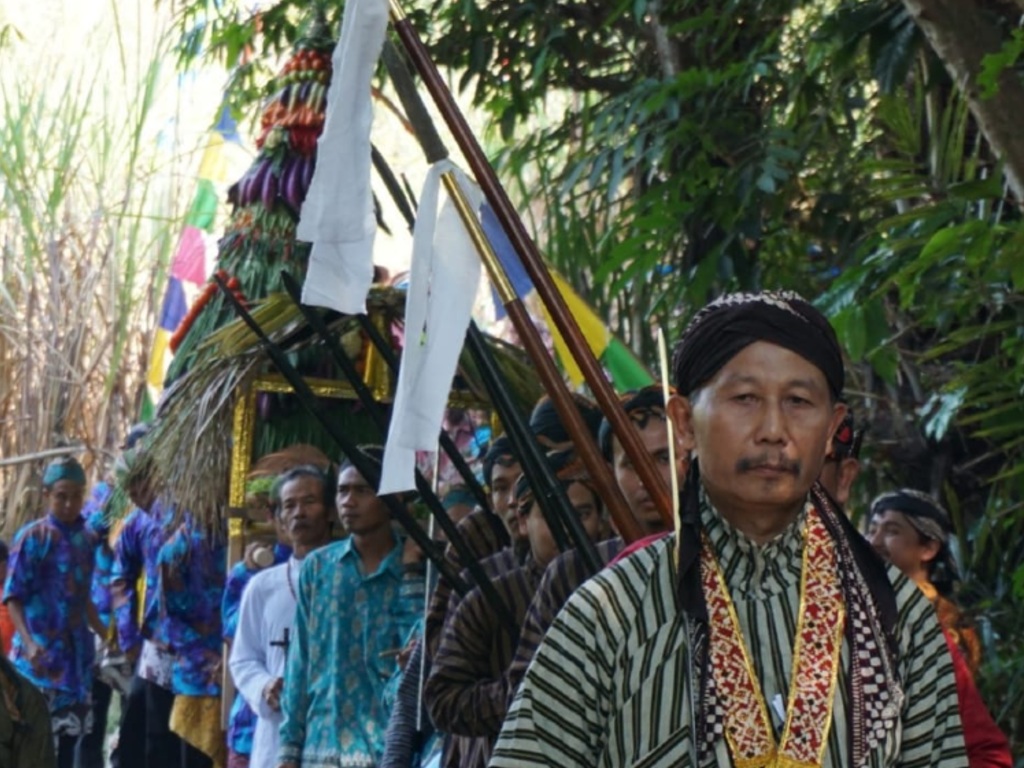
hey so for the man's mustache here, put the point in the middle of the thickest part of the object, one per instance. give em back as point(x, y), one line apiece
point(765, 461)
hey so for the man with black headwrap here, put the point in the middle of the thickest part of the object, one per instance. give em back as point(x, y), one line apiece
point(765, 632)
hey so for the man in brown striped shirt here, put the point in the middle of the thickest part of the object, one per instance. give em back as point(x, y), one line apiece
point(646, 410)
point(467, 691)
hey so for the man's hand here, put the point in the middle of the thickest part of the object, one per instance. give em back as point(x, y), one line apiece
point(411, 552)
point(33, 652)
point(406, 653)
point(272, 695)
point(256, 556)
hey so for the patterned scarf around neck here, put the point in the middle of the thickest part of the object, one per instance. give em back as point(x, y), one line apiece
point(873, 689)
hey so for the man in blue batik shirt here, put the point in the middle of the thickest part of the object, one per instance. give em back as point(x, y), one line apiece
point(47, 593)
point(340, 662)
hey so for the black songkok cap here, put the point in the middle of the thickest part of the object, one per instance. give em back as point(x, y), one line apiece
point(501, 450)
point(733, 322)
point(547, 427)
point(639, 405)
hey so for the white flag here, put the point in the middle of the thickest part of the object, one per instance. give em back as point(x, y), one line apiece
point(443, 284)
point(337, 215)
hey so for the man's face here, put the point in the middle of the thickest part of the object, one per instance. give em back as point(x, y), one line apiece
point(899, 542)
point(760, 429)
point(281, 528)
point(503, 480)
point(64, 500)
point(303, 512)
point(585, 503)
point(542, 543)
point(361, 510)
point(654, 435)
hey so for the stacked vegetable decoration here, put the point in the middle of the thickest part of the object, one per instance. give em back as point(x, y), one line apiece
point(259, 239)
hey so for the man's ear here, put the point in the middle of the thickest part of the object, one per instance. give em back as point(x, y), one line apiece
point(930, 549)
point(680, 412)
point(838, 414)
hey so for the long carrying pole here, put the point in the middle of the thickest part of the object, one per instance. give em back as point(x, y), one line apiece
point(319, 326)
point(427, 490)
point(370, 472)
point(549, 294)
point(551, 497)
point(551, 380)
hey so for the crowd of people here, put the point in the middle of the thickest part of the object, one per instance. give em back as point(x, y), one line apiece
point(762, 629)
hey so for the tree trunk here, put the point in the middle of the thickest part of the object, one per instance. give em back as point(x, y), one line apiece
point(961, 36)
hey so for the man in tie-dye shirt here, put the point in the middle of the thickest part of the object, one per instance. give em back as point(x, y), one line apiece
point(47, 593)
point(144, 736)
point(94, 512)
point(192, 566)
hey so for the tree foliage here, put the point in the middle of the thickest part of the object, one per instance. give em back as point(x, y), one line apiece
point(665, 151)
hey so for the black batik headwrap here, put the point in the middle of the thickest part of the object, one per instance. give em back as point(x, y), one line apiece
point(733, 322)
point(500, 452)
point(916, 505)
point(931, 520)
point(641, 406)
point(715, 336)
point(546, 425)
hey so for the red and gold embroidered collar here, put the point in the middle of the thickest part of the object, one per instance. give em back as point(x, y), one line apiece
point(815, 668)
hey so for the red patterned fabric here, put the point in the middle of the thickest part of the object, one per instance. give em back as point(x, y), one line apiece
point(819, 639)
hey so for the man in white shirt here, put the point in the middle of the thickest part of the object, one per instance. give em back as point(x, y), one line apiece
point(304, 499)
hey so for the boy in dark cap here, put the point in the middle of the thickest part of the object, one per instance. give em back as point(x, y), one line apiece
point(764, 633)
point(911, 530)
point(47, 593)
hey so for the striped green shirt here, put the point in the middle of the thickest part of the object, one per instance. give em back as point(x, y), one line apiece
point(609, 686)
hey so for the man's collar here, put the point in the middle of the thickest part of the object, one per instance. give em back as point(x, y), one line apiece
point(764, 568)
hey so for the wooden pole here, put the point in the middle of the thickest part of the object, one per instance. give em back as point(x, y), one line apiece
point(546, 289)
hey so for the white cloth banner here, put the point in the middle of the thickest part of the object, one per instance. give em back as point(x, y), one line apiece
point(443, 283)
point(337, 215)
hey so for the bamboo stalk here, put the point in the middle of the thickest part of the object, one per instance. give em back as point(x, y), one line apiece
point(49, 453)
